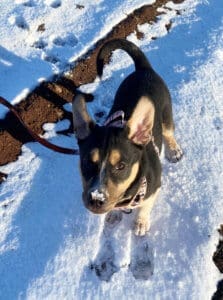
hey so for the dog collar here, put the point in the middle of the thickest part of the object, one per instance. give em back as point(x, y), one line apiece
point(140, 195)
point(127, 205)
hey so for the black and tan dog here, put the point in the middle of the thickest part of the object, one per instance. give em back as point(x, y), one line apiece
point(119, 161)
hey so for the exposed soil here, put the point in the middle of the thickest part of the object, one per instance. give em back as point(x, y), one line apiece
point(218, 260)
point(218, 255)
point(218, 295)
point(45, 103)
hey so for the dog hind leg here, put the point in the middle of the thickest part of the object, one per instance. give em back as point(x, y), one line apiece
point(173, 151)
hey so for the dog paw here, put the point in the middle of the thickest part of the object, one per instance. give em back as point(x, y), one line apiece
point(174, 155)
point(141, 227)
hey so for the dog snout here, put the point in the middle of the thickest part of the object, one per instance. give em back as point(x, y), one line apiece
point(98, 195)
point(97, 200)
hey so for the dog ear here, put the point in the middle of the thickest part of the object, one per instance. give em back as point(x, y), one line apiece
point(141, 121)
point(82, 122)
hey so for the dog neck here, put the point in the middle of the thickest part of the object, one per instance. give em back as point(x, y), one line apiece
point(133, 202)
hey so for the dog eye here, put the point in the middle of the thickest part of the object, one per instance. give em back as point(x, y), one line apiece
point(120, 166)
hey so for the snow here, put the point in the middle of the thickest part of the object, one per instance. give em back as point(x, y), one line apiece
point(48, 240)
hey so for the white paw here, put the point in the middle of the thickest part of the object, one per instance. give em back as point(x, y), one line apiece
point(141, 227)
point(174, 154)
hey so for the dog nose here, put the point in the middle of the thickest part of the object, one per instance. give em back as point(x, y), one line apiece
point(97, 198)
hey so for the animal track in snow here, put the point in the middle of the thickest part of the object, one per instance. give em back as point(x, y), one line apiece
point(53, 59)
point(57, 48)
point(218, 123)
point(18, 21)
point(28, 3)
point(141, 265)
point(69, 40)
point(104, 265)
point(53, 3)
point(39, 44)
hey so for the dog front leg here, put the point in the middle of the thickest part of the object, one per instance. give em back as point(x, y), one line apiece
point(142, 223)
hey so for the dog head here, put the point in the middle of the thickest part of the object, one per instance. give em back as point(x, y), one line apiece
point(110, 156)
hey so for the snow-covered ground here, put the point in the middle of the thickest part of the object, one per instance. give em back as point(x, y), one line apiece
point(48, 241)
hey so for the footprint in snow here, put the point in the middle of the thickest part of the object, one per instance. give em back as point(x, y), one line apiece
point(53, 3)
point(53, 48)
point(28, 3)
point(39, 44)
point(18, 21)
point(51, 58)
point(218, 123)
point(104, 264)
point(142, 261)
point(61, 41)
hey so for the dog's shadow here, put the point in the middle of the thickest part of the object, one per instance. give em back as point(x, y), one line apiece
point(121, 248)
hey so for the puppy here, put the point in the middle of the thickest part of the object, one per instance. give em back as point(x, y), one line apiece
point(119, 161)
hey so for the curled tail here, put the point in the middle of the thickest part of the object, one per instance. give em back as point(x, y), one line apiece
point(136, 54)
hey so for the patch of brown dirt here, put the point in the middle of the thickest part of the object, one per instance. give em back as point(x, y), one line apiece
point(45, 103)
point(218, 295)
point(218, 255)
point(218, 260)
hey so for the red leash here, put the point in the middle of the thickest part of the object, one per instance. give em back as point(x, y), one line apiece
point(34, 135)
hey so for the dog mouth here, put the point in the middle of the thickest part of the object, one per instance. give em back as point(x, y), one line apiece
point(124, 203)
point(106, 206)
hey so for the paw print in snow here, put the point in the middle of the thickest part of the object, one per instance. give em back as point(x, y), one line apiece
point(53, 3)
point(39, 44)
point(218, 123)
point(69, 40)
point(18, 21)
point(50, 57)
point(28, 3)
